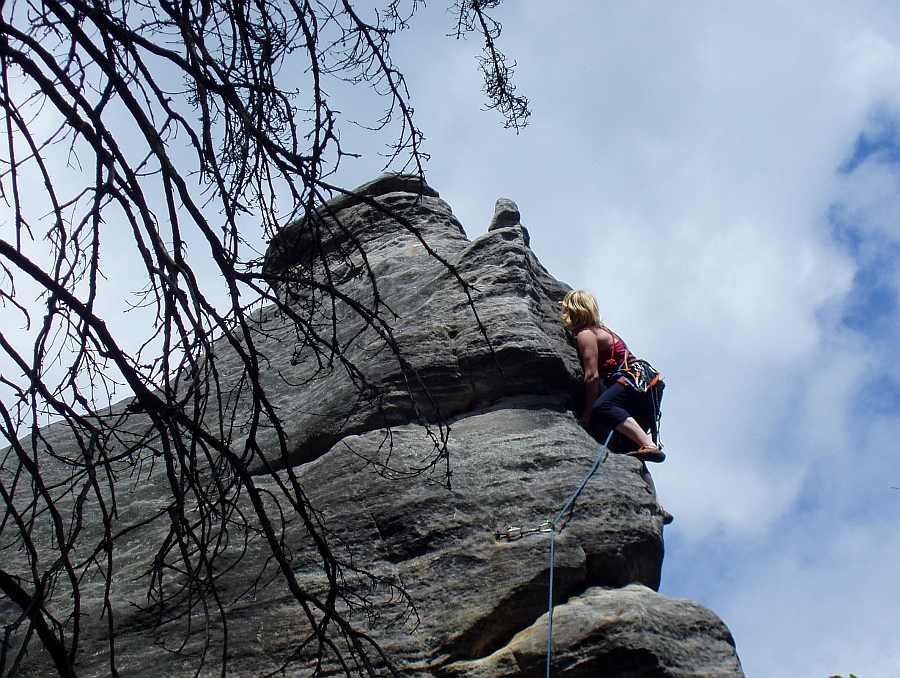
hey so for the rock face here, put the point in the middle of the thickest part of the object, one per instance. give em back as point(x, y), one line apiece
point(501, 383)
point(514, 346)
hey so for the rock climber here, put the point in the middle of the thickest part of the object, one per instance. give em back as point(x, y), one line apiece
point(629, 403)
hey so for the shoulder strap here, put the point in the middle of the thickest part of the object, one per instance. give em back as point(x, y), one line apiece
point(616, 337)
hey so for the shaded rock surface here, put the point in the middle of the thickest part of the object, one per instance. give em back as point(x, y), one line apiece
point(502, 387)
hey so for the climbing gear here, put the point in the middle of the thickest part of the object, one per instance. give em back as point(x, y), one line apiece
point(656, 397)
point(647, 453)
point(641, 376)
point(666, 516)
point(638, 374)
point(513, 533)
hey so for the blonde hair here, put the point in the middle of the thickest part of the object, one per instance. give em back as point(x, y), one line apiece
point(580, 311)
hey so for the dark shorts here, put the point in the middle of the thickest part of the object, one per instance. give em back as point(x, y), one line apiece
point(615, 405)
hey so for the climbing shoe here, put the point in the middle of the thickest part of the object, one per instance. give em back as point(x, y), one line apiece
point(666, 516)
point(649, 454)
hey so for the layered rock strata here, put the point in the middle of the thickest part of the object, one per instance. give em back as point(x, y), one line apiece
point(486, 364)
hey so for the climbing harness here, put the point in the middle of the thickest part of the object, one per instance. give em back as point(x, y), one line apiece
point(516, 533)
point(641, 376)
point(638, 374)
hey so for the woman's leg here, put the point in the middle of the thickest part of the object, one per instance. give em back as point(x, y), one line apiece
point(641, 415)
point(633, 430)
point(610, 408)
point(614, 407)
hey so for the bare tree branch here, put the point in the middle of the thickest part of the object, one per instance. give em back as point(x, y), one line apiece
point(167, 128)
point(472, 17)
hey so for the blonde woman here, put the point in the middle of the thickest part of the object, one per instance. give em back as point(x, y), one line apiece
point(630, 402)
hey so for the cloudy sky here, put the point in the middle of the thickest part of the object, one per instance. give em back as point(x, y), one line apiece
point(726, 178)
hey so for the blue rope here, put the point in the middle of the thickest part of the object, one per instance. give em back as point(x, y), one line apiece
point(600, 459)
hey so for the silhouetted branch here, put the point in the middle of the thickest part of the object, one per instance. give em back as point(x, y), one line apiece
point(154, 132)
point(471, 16)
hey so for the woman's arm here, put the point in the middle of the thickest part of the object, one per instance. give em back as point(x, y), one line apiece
point(590, 352)
point(590, 343)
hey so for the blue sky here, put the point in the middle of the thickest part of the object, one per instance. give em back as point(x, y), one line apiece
point(752, 150)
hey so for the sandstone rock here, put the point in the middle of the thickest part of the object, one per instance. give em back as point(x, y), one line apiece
point(630, 631)
point(506, 214)
point(458, 351)
point(442, 546)
point(497, 393)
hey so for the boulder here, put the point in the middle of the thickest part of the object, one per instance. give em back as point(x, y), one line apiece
point(631, 631)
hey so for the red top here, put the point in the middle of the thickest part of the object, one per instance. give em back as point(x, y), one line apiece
point(609, 361)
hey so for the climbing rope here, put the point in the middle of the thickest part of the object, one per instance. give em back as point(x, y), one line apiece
point(604, 451)
point(514, 533)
